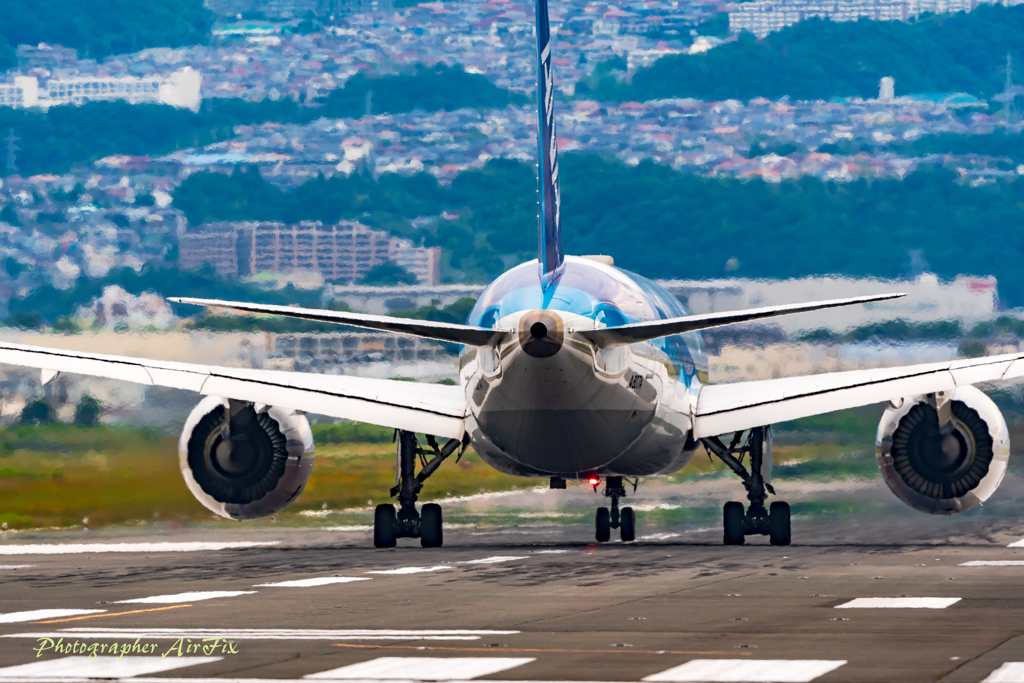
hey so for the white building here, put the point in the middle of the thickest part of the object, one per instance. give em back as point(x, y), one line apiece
point(965, 298)
point(179, 89)
point(766, 16)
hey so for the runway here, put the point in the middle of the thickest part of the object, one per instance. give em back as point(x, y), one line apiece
point(498, 604)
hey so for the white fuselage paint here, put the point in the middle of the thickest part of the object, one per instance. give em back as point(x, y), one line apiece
point(566, 415)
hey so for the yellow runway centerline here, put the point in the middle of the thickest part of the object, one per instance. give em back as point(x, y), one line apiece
point(110, 614)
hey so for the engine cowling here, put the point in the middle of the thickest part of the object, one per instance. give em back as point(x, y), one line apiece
point(943, 475)
point(259, 470)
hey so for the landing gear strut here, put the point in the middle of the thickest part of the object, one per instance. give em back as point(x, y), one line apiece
point(773, 521)
point(624, 519)
point(425, 525)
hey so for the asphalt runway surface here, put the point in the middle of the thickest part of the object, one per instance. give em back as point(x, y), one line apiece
point(523, 603)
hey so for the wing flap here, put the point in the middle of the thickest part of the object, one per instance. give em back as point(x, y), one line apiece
point(726, 408)
point(427, 408)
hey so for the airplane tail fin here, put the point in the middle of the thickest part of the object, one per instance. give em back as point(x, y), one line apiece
point(550, 252)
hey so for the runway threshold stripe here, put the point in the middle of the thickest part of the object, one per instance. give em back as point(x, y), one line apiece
point(410, 570)
point(1017, 544)
point(16, 566)
point(749, 670)
point(36, 614)
point(1009, 672)
point(78, 548)
point(110, 614)
point(993, 563)
point(262, 634)
point(423, 668)
point(184, 597)
point(899, 603)
point(620, 651)
point(100, 667)
point(496, 559)
point(308, 583)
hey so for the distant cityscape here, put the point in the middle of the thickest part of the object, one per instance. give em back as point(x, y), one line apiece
point(119, 211)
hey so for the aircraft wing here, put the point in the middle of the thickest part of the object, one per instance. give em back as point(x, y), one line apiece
point(725, 408)
point(427, 408)
point(450, 332)
point(653, 329)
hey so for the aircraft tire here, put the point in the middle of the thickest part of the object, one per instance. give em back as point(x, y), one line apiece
point(604, 525)
point(431, 533)
point(627, 525)
point(385, 526)
point(732, 515)
point(778, 523)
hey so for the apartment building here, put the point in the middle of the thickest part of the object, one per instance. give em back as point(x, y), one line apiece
point(340, 252)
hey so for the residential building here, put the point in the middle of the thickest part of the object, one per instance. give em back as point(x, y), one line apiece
point(339, 252)
point(180, 89)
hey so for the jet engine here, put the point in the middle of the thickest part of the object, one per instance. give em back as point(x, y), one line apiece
point(943, 473)
point(245, 461)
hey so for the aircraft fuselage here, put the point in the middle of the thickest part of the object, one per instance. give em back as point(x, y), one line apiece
point(547, 402)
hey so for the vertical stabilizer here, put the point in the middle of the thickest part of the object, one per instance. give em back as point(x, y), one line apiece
point(549, 226)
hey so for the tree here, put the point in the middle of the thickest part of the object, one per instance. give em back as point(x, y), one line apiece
point(36, 412)
point(88, 411)
point(9, 215)
point(388, 273)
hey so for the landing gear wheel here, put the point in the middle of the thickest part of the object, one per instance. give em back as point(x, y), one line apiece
point(732, 515)
point(627, 525)
point(778, 523)
point(604, 525)
point(431, 535)
point(385, 526)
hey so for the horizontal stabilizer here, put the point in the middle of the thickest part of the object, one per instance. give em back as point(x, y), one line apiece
point(639, 332)
point(449, 332)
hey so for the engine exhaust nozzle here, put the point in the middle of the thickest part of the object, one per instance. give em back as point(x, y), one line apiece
point(541, 333)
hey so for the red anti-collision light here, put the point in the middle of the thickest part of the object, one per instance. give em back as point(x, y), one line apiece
point(594, 481)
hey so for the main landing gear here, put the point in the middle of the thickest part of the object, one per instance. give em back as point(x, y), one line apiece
point(624, 520)
point(772, 522)
point(425, 525)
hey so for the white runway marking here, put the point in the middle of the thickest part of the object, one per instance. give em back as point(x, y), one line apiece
point(73, 548)
point(101, 667)
point(306, 583)
point(1010, 672)
point(16, 566)
point(264, 634)
point(410, 570)
point(749, 670)
point(993, 563)
point(37, 614)
point(1017, 544)
point(899, 603)
point(552, 552)
point(424, 668)
point(184, 597)
point(659, 537)
point(496, 559)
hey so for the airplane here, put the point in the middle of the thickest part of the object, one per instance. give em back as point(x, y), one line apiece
point(570, 368)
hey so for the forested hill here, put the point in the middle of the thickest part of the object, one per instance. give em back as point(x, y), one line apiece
point(819, 59)
point(97, 28)
point(662, 223)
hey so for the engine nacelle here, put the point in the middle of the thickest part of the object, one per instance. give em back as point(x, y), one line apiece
point(943, 475)
point(260, 469)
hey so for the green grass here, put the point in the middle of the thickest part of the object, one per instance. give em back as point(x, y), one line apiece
point(56, 475)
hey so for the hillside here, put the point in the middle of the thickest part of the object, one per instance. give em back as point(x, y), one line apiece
point(820, 59)
point(97, 28)
point(663, 223)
